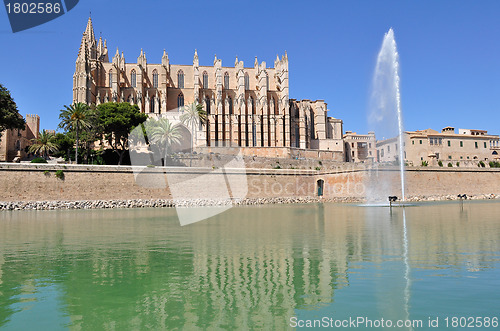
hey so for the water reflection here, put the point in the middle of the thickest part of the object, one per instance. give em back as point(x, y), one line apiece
point(251, 267)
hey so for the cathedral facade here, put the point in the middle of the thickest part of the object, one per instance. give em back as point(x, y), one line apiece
point(246, 106)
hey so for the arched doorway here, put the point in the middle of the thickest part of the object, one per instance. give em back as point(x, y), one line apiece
point(320, 183)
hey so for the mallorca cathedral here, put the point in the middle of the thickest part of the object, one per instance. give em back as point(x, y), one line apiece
point(246, 106)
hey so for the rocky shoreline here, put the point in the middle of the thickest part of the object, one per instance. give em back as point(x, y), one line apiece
point(169, 203)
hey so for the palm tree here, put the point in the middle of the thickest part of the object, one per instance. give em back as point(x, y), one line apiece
point(165, 134)
point(44, 144)
point(194, 114)
point(74, 117)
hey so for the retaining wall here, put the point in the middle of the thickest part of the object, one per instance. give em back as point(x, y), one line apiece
point(28, 182)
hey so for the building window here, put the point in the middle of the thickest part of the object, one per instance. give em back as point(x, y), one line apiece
point(388, 149)
point(110, 78)
point(267, 82)
point(352, 145)
point(207, 105)
point(449, 157)
point(247, 82)
point(369, 145)
point(180, 81)
point(461, 157)
point(226, 80)
point(413, 142)
point(155, 79)
point(449, 143)
point(420, 142)
point(230, 102)
point(485, 144)
point(133, 79)
point(152, 104)
point(475, 144)
point(382, 152)
point(180, 100)
point(461, 144)
point(205, 80)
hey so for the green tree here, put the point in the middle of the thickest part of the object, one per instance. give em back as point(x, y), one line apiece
point(65, 143)
point(117, 120)
point(164, 134)
point(74, 118)
point(194, 114)
point(93, 133)
point(9, 114)
point(43, 145)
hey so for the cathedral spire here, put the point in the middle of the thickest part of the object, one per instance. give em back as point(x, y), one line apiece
point(99, 45)
point(196, 61)
point(164, 59)
point(83, 49)
point(89, 31)
point(236, 61)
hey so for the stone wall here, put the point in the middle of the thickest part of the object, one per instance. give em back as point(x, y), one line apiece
point(21, 182)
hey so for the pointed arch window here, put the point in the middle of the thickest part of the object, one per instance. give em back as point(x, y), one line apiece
point(230, 102)
point(247, 82)
point(207, 105)
point(226, 80)
point(205, 80)
point(152, 104)
point(267, 82)
point(155, 78)
point(110, 78)
point(180, 100)
point(180, 79)
point(253, 105)
point(133, 78)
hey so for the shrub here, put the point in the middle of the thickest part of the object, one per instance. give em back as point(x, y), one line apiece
point(46, 173)
point(38, 160)
point(440, 163)
point(277, 166)
point(60, 174)
point(450, 165)
point(494, 164)
point(318, 168)
point(481, 164)
point(424, 164)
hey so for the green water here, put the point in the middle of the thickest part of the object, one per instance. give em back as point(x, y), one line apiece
point(248, 268)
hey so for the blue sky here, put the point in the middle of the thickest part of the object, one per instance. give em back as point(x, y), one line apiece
point(449, 51)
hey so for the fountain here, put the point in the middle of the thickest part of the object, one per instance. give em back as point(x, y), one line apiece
point(385, 117)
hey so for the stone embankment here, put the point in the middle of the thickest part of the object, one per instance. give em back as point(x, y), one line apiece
point(165, 203)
